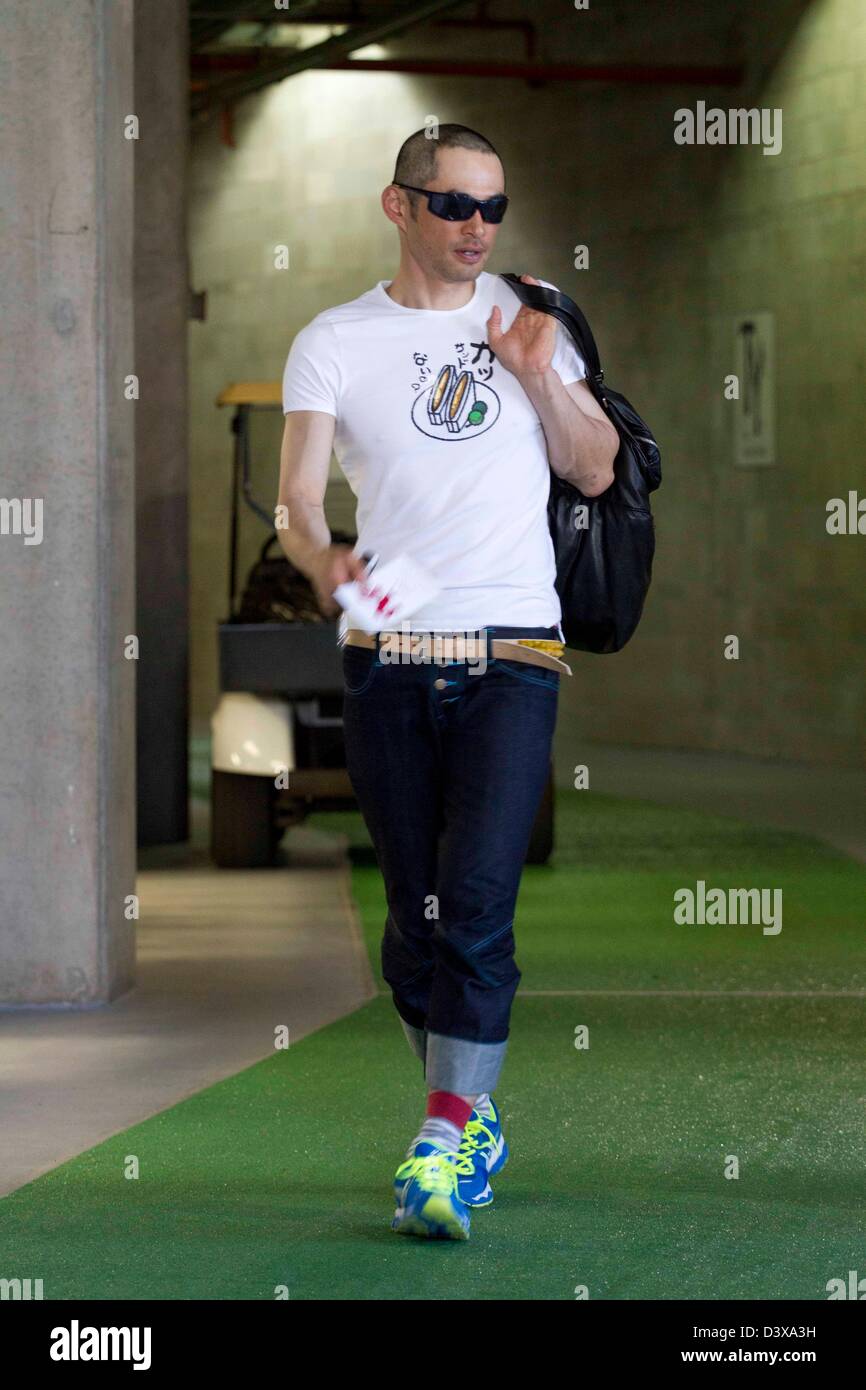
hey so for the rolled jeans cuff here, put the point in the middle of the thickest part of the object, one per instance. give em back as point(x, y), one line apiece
point(462, 1067)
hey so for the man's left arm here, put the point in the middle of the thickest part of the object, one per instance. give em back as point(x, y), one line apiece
point(581, 441)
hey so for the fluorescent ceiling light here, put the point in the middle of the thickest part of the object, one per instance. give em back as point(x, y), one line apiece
point(297, 36)
point(370, 50)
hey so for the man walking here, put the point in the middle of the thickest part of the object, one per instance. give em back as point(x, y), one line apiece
point(446, 402)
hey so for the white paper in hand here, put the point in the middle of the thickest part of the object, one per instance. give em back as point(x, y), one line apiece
point(387, 597)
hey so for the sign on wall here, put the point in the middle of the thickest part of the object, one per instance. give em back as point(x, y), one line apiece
point(755, 419)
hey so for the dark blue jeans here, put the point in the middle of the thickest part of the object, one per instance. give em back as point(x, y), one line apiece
point(449, 766)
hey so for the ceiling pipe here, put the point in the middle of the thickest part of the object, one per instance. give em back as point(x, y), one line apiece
point(661, 74)
point(629, 73)
point(206, 24)
point(524, 27)
point(332, 49)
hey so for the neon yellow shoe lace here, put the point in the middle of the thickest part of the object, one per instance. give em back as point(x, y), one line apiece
point(470, 1144)
point(437, 1171)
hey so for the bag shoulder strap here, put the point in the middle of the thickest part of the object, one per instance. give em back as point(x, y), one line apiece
point(571, 317)
point(271, 540)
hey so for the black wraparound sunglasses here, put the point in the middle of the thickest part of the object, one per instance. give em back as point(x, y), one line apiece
point(459, 207)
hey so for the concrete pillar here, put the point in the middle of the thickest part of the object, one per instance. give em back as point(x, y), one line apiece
point(161, 301)
point(67, 693)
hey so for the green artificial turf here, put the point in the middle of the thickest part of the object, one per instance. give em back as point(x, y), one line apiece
point(600, 914)
point(280, 1176)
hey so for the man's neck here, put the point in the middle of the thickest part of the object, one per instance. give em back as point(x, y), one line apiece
point(415, 290)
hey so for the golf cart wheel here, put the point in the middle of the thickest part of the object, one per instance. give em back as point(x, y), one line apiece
point(243, 829)
point(541, 839)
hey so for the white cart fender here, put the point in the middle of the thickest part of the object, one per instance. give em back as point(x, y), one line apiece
point(252, 734)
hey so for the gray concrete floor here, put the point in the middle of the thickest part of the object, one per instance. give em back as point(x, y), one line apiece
point(224, 958)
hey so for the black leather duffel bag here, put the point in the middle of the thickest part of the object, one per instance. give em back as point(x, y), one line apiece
point(604, 545)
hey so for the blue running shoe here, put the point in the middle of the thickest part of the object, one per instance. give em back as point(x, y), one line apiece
point(425, 1188)
point(482, 1153)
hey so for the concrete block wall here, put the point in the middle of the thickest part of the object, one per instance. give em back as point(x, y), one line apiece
point(788, 234)
point(746, 552)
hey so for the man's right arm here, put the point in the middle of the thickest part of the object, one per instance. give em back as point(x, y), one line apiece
point(305, 460)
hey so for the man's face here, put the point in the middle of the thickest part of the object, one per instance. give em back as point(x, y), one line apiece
point(456, 251)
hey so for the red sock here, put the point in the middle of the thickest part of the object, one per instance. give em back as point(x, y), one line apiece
point(444, 1105)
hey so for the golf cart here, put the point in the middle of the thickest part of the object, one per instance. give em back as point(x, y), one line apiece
point(277, 732)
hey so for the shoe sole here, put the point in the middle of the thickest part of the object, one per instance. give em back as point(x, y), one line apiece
point(436, 1220)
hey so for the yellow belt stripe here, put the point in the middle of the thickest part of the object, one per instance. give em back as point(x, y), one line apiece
point(543, 644)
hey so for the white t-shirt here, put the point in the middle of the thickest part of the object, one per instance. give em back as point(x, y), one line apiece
point(442, 448)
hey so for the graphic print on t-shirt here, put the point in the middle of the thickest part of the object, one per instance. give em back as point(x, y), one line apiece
point(455, 399)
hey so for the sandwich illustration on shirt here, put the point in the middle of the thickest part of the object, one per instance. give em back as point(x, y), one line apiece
point(456, 403)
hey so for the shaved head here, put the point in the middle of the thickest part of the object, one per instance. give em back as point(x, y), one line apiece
point(417, 160)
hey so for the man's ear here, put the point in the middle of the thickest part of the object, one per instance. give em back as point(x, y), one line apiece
point(392, 206)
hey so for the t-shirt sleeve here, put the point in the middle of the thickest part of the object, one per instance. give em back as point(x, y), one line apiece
point(312, 376)
point(567, 361)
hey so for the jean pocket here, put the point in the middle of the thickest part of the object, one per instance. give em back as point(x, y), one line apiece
point(529, 674)
point(360, 665)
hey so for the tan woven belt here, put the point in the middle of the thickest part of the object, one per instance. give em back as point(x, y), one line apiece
point(453, 647)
